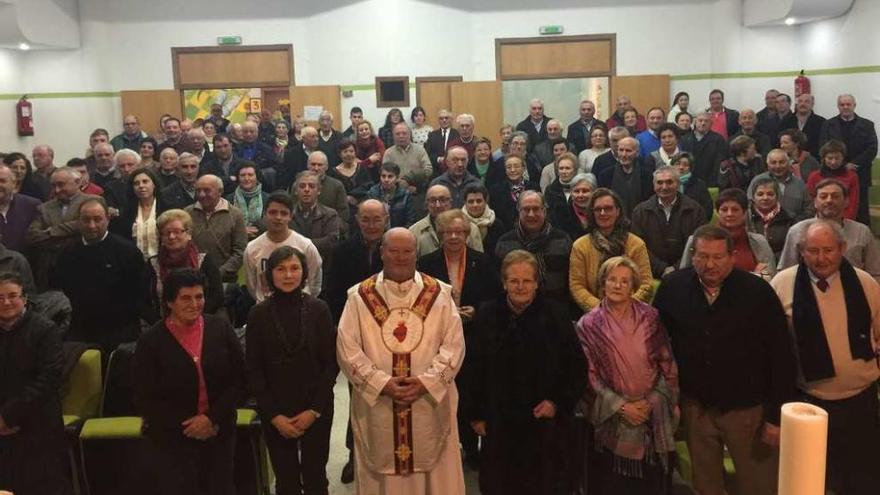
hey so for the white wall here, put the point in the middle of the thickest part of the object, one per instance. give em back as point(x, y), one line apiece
point(126, 45)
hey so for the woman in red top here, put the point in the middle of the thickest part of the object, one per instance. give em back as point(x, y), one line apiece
point(187, 380)
point(832, 154)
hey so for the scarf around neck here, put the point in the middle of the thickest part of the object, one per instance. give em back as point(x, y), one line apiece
point(482, 222)
point(250, 203)
point(683, 182)
point(535, 244)
point(812, 345)
point(610, 245)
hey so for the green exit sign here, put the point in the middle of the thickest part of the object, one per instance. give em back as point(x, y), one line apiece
point(555, 29)
point(228, 40)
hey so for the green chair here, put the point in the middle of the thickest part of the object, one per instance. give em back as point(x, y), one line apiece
point(81, 401)
point(106, 427)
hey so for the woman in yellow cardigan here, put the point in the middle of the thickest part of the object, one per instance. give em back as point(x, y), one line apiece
point(607, 236)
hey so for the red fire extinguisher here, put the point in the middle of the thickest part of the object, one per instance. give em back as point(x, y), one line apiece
point(24, 112)
point(801, 85)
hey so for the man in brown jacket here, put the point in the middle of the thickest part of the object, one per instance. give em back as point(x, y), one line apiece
point(218, 227)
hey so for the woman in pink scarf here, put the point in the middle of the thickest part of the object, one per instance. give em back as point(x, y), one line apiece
point(632, 398)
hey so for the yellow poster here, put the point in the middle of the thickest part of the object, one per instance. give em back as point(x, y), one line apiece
point(236, 103)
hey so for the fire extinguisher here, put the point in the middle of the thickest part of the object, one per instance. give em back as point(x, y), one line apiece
point(24, 112)
point(801, 85)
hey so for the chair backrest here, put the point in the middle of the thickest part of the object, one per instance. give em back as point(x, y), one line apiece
point(84, 387)
point(117, 399)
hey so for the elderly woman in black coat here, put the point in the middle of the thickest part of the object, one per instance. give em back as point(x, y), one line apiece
point(524, 373)
point(291, 370)
point(33, 458)
point(188, 378)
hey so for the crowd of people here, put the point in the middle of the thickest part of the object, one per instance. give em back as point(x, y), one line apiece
point(554, 312)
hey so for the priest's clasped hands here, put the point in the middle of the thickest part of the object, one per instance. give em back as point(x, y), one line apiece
point(404, 389)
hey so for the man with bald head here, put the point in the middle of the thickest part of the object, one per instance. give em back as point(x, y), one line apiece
point(535, 125)
point(218, 228)
point(860, 137)
point(748, 126)
point(456, 178)
point(833, 311)
point(131, 137)
point(437, 200)
point(400, 344)
point(252, 149)
point(57, 224)
point(795, 198)
point(628, 177)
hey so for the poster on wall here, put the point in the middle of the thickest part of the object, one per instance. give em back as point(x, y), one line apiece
point(236, 103)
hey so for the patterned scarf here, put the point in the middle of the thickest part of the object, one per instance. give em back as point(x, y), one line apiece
point(613, 244)
point(250, 203)
point(517, 189)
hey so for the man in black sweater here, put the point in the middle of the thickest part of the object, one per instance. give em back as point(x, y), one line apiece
point(709, 149)
point(736, 364)
point(100, 275)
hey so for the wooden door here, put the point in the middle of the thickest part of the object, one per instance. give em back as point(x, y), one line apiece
point(482, 99)
point(645, 92)
point(149, 105)
point(326, 97)
point(434, 94)
point(271, 97)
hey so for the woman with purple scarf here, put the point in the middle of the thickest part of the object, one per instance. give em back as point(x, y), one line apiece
point(632, 397)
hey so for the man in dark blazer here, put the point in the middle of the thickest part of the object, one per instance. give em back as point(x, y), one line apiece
point(535, 125)
point(438, 141)
point(579, 131)
point(808, 122)
point(183, 192)
point(860, 137)
point(99, 273)
point(222, 162)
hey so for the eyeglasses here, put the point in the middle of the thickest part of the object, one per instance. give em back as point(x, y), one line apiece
point(10, 298)
point(438, 201)
point(601, 210)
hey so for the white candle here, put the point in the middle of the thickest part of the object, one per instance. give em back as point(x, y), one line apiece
point(802, 449)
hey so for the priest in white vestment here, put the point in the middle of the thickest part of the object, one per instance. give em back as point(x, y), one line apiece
point(400, 344)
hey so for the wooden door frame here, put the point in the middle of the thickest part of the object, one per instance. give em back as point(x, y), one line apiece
point(430, 79)
point(177, 50)
point(610, 37)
